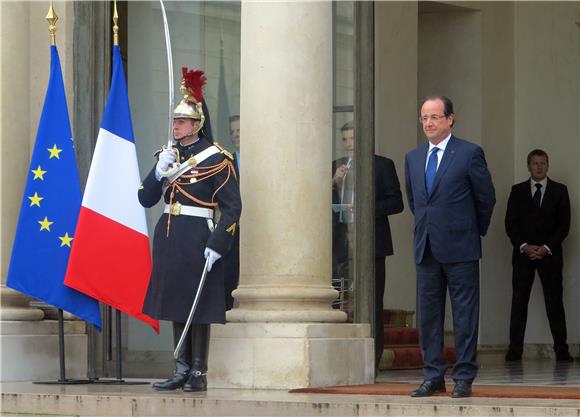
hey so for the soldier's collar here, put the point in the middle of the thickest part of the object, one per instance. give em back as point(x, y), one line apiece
point(188, 146)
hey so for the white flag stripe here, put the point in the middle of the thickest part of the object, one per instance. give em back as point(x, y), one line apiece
point(113, 182)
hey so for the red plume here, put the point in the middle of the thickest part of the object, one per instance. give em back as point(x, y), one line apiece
point(194, 82)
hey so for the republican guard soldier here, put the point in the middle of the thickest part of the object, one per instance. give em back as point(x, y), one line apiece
point(195, 178)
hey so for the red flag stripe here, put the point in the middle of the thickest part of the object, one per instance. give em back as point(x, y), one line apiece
point(120, 276)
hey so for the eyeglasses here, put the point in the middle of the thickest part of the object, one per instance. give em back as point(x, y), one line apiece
point(434, 117)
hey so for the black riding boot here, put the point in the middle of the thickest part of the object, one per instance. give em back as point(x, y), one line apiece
point(182, 363)
point(197, 380)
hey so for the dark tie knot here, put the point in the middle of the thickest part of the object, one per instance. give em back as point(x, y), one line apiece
point(538, 186)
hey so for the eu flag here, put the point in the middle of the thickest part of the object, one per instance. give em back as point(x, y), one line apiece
point(49, 210)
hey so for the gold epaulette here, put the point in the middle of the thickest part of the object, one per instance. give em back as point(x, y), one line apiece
point(224, 151)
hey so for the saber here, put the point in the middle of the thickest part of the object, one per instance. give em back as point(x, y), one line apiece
point(169, 73)
point(193, 308)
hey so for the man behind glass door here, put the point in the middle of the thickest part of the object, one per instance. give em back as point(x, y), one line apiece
point(388, 200)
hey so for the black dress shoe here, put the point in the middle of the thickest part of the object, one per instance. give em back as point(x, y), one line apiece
point(462, 389)
point(196, 382)
point(174, 383)
point(428, 388)
point(513, 356)
point(564, 357)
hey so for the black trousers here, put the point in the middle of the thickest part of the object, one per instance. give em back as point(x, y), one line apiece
point(550, 271)
point(231, 262)
point(379, 292)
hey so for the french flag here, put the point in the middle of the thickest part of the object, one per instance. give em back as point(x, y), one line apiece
point(110, 258)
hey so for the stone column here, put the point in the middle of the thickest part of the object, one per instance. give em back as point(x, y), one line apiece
point(286, 114)
point(24, 70)
point(16, 139)
point(285, 333)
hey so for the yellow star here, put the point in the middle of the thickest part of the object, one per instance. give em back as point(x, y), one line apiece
point(38, 173)
point(35, 200)
point(45, 224)
point(65, 240)
point(54, 152)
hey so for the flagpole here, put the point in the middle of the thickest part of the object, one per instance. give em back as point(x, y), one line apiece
point(51, 17)
point(118, 322)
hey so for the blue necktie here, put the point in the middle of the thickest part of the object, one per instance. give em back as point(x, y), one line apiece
point(431, 170)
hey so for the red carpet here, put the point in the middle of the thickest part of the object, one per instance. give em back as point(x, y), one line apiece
point(495, 391)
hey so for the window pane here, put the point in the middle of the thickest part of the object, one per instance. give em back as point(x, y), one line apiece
point(343, 156)
point(204, 35)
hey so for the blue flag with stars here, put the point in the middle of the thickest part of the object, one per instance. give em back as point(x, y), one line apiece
point(49, 210)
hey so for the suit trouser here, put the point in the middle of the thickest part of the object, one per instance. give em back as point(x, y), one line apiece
point(379, 291)
point(550, 271)
point(462, 280)
point(232, 270)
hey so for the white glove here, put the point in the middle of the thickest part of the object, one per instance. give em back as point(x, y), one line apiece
point(166, 158)
point(212, 257)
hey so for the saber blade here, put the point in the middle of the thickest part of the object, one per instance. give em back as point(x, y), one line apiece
point(169, 73)
point(193, 308)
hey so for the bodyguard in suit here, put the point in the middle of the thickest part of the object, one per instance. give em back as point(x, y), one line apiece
point(537, 221)
point(451, 194)
point(232, 258)
point(388, 200)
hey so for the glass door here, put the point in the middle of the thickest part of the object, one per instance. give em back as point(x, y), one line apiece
point(353, 150)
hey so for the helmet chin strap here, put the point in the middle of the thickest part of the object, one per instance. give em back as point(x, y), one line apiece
point(193, 132)
point(185, 136)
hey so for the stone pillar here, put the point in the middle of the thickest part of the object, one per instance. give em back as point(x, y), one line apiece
point(15, 114)
point(286, 112)
point(15, 307)
point(24, 70)
point(285, 333)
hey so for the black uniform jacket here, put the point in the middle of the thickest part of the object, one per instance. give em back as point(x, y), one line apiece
point(178, 249)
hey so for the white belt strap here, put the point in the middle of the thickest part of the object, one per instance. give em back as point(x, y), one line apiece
point(192, 162)
point(177, 209)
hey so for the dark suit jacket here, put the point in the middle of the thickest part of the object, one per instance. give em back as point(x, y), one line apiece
point(458, 210)
point(547, 225)
point(388, 200)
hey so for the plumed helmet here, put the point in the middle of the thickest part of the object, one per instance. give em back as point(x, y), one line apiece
point(191, 105)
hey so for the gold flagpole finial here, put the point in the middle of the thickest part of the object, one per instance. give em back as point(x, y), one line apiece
point(52, 18)
point(115, 26)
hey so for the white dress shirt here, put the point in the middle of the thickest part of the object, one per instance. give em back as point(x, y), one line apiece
point(442, 145)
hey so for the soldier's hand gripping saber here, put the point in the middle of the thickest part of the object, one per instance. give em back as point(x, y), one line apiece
point(193, 308)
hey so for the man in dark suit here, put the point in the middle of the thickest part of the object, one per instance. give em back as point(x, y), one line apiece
point(537, 221)
point(388, 200)
point(451, 194)
point(232, 258)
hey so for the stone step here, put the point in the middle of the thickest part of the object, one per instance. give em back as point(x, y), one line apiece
point(398, 318)
point(26, 399)
point(401, 336)
point(408, 357)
